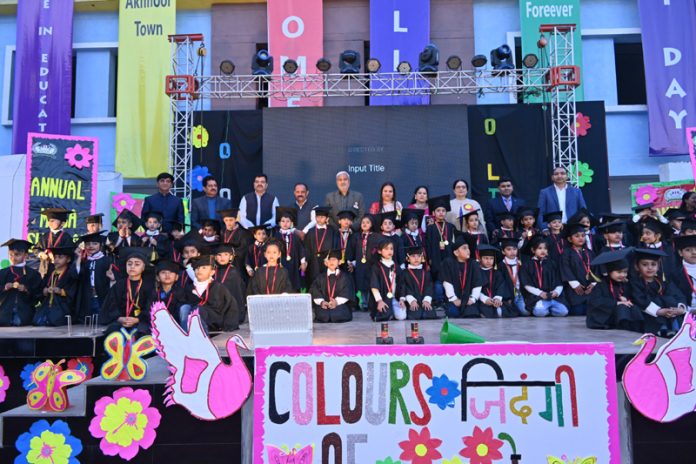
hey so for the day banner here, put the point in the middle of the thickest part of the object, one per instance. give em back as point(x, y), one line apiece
point(480, 403)
point(61, 173)
point(42, 70)
point(142, 107)
point(296, 31)
point(663, 195)
point(669, 56)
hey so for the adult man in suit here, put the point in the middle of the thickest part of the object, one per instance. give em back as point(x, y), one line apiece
point(505, 201)
point(165, 202)
point(207, 206)
point(344, 199)
point(258, 207)
point(559, 197)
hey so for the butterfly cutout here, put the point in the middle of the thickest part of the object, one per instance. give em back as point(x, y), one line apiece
point(126, 355)
point(566, 460)
point(51, 381)
point(294, 456)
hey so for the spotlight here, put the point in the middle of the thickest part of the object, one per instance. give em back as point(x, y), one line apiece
point(226, 67)
point(530, 60)
point(262, 64)
point(479, 61)
point(349, 62)
point(542, 42)
point(454, 63)
point(323, 65)
point(501, 58)
point(404, 67)
point(373, 65)
point(429, 59)
point(290, 66)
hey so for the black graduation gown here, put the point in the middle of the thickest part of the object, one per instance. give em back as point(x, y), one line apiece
point(13, 299)
point(240, 239)
point(410, 283)
point(357, 251)
point(217, 307)
point(293, 248)
point(468, 273)
point(173, 299)
point(231, 278)
point(255, 258)
point(399, 252)
point(663, 293)
point(85, 291)
point(316, 243)
point(509, 289)
point(550, 279)
point(605, 312)
point(385, 286)
point(344, 242)
point(436, 255)
point(499, 233)
point(524, 239)
point(184, 279)
point(493, 284)
point(679, 279)
point(163, 247)
point(52, 311)
point(556, 245)
point(572, 268)
point(112, 238)
point(668, 264)
point(341, 286)
point(50, 239)
point(115, 305)
point(277, 282)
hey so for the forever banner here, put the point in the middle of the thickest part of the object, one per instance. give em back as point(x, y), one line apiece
point(142, 107)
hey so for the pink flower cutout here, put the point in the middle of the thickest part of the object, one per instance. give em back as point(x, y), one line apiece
point(582, 125)
point(4, 384)
point(125, 422)
point(78, 156)
point(646, 194)
point(122, 201)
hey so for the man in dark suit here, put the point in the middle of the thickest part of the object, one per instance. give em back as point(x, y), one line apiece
point(504, 202)
point(207, 207)
point(165, 202)
point(559, 197)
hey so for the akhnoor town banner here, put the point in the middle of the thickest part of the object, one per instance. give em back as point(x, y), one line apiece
point(399, 31)
point(669, 56)
point(534, 13)
point(142, 107)
point(296, 31)
point(42, 70)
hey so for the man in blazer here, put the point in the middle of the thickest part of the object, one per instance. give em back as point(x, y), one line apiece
point(505, 201)
point(560, 196)
point(207, 206)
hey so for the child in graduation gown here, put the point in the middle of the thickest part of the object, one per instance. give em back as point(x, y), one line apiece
point(527, 228)
point(383, 302)
point(506, 229)
point(576, 272)
point(654, 236)
point(218, 309)
point(271, 278)
point(610, 305)
point(684, 277)
point(362, 255)
point(235, 235)
point(510, 268)
point(167, 291)
point(587, 219)
point(228, 275)
point(19, 286)
point(256, 252)
point(413, 235)
point(318, 240)
point(542, 282)
point(54, 237)
point(461, 277)
point(439, 240)
point(154, 239)
point(59, 289)
point(293, 252)
point(662, 303)
point(473, 228)
point(388, 223)
point(93, 269)
point(190, 246)
point(345, 232)
point(555, 237)
point(494, 299)
point(126, 224)
point(415, 286)
point(332, 291)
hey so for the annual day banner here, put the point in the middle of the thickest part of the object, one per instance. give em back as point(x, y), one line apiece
point(61, 173)
point(437, 403)
point(42, 70)
point(663, 195)
point(142, 107)
point(669, 56)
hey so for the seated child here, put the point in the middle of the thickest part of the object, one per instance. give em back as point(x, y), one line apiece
point(383, 302)
point(94, 222)
point(388, 223)
point(461, 279)
point(542, 282)
point(271, 278)
point(126, 223)
point(415, 286)
point(210, 230)
point(54, 237)
point(93, 268)
point(494, 301)
point(154, 239)
point(332, 291)
point(684, 277)
point(59, 289)
point(166, 291)
point(217, 308)
point(19, 286)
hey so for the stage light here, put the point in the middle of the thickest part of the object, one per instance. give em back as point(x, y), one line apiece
point(226, 67)
point(323, 65)
point(479, 61)
point(530, 60)
point(501, 58)
point(454, 63)
point(262, 64)
point(542, 42)
point(373, 65)
point(404, 67)
point(349, 62)
point(429, 59)
point(290, 66)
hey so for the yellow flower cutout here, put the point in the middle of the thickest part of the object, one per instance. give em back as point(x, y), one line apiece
point(454, 460)
point(124, 422)
point(199, 136)
point(49, 448)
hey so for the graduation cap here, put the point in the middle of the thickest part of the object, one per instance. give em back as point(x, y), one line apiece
point(18, 245)
point(532, 244)
point(191, 238)
point(154, 214)
point(553, 216)
point(202, 260)
point(638, 208)
point(346, 214)
point(656, 226)
point(613, 260)
point(94, 218)
point(126, 253)
point(412, 213)
point(176, 225)
point(214, 223)
point(508, 242)
point(285, 212)
point(488, 250)
point(223, 248)
point(611, 227)
point(461, 239)
point(466, 213)
point(688, 224)
point(652, 254)
point(373, 220)
point(611, 217)
point(95, 237)
point(573, 228)
point(527, 211)
point(505, 215)
point(685, 241)
point(63, 251)
point(322, 211)
point(335, 253)
point(168, 265)
point(254, 229)
point(414, 250)
point(165, 175)
point(443, 201)
point(131, 217)
point(675, 214)
point(581, 213)
point(57, 213)
point(391, 215)
point(230, 212)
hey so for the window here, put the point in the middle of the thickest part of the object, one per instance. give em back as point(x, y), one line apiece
point(630, 73)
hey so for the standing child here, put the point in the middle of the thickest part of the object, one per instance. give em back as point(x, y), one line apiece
point(472, 226)
point(126, 223)
point(345, 231)
point(361, 255)
point(228, 275)
point(383, 302)
point(576, 271)
point(256, 252)
point(293, 259)
point(554, 236)
point(157, 242)
point(210, 230)
point(439, 239)
point(541, 282)
point(413, 235)
point(332, 291)
point(510, 269)
point(176, 232)
point(218, 309)
point(584, 217)
point(526, 226)
point(613, 234)
point(676, 217)
point(19, 286)
point(462, 279)
point(235, 235)
point(507, 227)
point(388, 224)
point(190, 246)
point(94, 223)
point(415, 286)
point(54, 237)
point(166, 291)
point(59, 290)
point(318, 240)
point(494, 299)
point(271, 278)
point(94, 274)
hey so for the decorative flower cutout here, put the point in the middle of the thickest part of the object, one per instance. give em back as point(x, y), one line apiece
point(25, 375)
point(481, 447)
point(122, 201)
point(83, 364)
point(198, 173)
point(199, 136)
point(585, 174)
point(420, 448)
point(443, 392)
point(646, 194)
point(582, 124)
point(388, 460)
point(468, 207)
point(4, 384)
point(454, 460)
point(125, 422)
point(46, 443)
point(78, 156)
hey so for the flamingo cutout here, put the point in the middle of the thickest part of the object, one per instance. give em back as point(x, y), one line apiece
point(663, 390)
point(200, 381)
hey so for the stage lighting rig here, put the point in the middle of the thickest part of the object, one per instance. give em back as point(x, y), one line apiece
point(454, 63)
point(429, 59)
point(530, 60)
point(501, 58)
point(323, 65)
point(479, 61)
point(290, 66)
point(373, 65)
point(262, 64)
point(404, 67)
point(226, 67)
point(349, 62)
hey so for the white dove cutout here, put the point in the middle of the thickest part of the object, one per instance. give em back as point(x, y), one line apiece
point(200, 381)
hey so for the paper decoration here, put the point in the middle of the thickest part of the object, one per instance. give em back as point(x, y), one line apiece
point(25, 375)
point(420, 447)
point(46, 443)
point(663, 194)
point(4, 384)
point(566, 460)
point(83, 364)
point(125, 422)
point(298, 455)
point(663, 389)
point(200, 381)
point(126, 355)
point(50, 383)
point(198, 173)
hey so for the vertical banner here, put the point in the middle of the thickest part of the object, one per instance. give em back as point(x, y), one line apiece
point(534, 13)
point(61, 173)
point(142, 107)
point(42, 70)
point(399, 31)
point(669, 56)
point(296, 31)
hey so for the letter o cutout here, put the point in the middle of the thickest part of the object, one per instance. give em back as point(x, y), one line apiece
point(286, 27)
